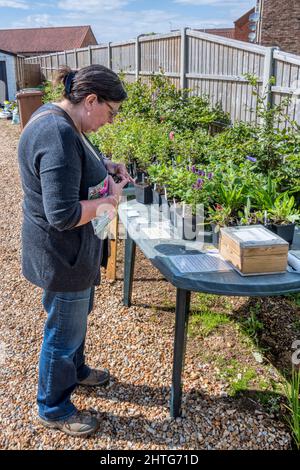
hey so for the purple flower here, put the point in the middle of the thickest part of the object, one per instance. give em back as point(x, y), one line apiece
point(201, 172)
point(188, 168)
point(210, 175)
point(193, 169)
point(251, 159)
point(200, 181)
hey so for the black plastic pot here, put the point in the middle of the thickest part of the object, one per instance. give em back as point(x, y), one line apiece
point(284, 231)
point(215, 234)
point(143, 194)
point(157, 197)
point(186, 227)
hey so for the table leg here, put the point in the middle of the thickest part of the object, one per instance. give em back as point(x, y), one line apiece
point(130, 249)
point(181, 324)
point(111, 269)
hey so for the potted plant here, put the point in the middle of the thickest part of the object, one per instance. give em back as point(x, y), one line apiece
point(143, 191)
point(219, 216)
point(283, 216)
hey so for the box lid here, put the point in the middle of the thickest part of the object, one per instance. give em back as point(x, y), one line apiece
point(251, 236)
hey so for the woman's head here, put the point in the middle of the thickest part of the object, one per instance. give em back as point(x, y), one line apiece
point(97, 89)
point(94, 79)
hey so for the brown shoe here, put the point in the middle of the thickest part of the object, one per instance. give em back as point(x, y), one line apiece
point(96, 378)
point(80, 424)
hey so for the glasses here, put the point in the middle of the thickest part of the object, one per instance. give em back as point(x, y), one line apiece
point(113, 112)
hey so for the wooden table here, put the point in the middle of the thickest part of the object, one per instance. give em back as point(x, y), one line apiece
point(223, 283)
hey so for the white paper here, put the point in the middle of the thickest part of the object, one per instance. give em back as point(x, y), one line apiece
point(255, 234)
point(155, 233)
point(206, 262)
point(294, 261)
point(133, 213)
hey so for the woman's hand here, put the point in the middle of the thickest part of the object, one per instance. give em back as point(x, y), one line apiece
point(118, 169)
point(122, 172)
point(115, 189)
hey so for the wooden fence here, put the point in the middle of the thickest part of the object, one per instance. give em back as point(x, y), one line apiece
point(204, 63)
point(28, 74)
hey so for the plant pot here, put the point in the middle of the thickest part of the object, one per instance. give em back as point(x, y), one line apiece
point(215, 235)
point(284, 231)
point(173, 214)
point(186, 226)
point(156, 197)
point(143, 193)
point(205, 233)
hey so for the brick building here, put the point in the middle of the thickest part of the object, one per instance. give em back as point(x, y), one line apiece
point(280, 24)
point(240, 31)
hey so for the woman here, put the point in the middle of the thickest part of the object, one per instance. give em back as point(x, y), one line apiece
point(60, 251)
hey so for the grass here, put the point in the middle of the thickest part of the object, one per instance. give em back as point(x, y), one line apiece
point(294, 298)
point(203, 324)
point(211, 302)
point(236, 374)
point(209, 312)
point(251, 326)
point(292, 391)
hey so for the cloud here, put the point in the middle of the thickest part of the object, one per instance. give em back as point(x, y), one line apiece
point(14, 4)
point(223, 3)
point(123, 24)
point(36, 21)
point(92, 6)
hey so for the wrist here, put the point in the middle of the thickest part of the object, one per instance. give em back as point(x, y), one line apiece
point(113, 200)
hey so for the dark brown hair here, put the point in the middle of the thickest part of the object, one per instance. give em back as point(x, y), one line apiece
point(94, 79)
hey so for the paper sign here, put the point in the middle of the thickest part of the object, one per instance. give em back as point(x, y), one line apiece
point(156, 233)
point(254, 235)
point(132, 213)
point(200, 263)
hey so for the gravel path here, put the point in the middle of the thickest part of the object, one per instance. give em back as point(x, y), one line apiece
point(135, 344)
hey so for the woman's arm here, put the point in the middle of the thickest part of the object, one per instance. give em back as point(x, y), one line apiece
point(96, 207)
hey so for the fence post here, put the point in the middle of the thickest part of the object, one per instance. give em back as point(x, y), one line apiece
point(268, 73)
point(183, 58)
point(137, 57)
point(76, 59)
point(109, 57)
point(90, 55)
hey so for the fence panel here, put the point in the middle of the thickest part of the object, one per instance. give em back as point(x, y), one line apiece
point(216, 68)
point(204, 63)
point(123, 57)
point(99, 55)
point(287, 75)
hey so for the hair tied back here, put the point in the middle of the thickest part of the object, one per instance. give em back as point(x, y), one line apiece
point(68, 82)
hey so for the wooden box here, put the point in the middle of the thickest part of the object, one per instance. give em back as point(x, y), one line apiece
point(253, 250)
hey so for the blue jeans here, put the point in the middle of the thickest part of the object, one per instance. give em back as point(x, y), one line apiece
point(62, 355)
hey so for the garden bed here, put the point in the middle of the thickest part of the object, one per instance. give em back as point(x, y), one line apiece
point(230, 399)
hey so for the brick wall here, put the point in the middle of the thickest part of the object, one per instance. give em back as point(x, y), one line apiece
point(281, 24)
point(89, 40)
point(242, 29)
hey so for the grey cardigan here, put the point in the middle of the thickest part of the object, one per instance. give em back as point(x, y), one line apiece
point(57, 170)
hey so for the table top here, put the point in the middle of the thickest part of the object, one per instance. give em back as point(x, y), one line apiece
point(160, 251)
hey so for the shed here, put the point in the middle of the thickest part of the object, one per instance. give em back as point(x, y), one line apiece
point(8, 75)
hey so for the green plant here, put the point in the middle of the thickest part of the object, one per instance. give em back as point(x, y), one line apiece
point(203, 324)
point(220, 216)
point(52, 93)
point(292, 391)
point(284, 210)
point(252, 326)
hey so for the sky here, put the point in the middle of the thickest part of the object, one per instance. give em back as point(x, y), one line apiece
point(119, 20)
